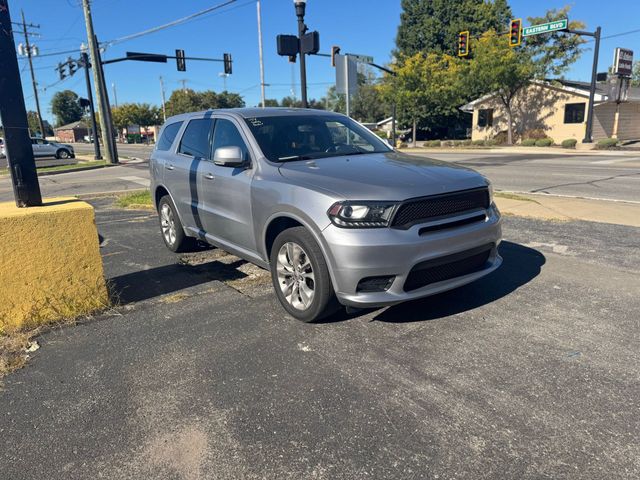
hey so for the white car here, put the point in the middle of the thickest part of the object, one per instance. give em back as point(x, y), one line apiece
point(45, 148)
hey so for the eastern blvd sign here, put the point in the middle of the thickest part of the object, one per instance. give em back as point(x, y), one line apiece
point(545, 28)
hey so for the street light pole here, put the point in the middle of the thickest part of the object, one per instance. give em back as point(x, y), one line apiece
point(302, 29)
point(262, 96)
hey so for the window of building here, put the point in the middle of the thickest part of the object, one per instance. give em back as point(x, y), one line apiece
point(485, 117)
point(574, 112)
point(168, 136)
point(227, 135)
point(196, 140)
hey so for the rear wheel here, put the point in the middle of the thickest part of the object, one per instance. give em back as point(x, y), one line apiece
point(300, 276)
point(171, 228)
point(63, 154)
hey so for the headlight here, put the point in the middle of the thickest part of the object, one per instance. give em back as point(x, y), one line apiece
point(361, 214)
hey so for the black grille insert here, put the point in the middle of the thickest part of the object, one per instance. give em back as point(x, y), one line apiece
point(446, 268)
point(423, 209)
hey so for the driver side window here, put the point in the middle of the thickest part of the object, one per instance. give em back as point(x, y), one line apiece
point(226, 134)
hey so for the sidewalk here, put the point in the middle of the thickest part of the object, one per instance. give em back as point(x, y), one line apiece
point(523, 150)
point(552, 207)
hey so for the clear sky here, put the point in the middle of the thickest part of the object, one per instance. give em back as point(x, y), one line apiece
point(358, 26)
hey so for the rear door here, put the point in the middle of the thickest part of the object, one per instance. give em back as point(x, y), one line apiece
point(46, 149)
point(226, 191)
point(181, 171)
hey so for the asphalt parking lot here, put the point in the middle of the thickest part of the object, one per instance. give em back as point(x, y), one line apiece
point(532, 372)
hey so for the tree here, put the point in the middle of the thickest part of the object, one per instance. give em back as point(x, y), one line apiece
point(66, 107)
point(425, 89)
point(433, 25)
point(635, 76)
point(367, 105)
point(34, 124)
point(293, 102)
point(271, 102)
point(188, 100)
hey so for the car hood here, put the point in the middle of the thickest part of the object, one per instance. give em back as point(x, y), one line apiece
point(382, 176)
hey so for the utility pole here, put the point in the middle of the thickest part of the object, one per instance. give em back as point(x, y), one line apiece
point(33, 76)
point(115, 93)
point(224, 79)
point(302, 29)
point(184, 84)
point(101, 91)
point(22, 165)
point(164, 108)
point(92, 110)
point(260, 51)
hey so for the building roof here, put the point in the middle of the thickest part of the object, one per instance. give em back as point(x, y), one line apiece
point(72, 126)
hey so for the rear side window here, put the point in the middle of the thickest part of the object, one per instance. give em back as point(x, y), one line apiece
point(168, 136)
point(196, 140)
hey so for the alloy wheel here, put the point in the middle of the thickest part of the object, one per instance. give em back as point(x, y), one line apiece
point(295, 276)
point(168, 224)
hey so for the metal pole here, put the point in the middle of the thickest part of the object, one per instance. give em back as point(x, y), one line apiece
point(92, 110)
point(588, 137)
point(393, 125)
point(33, 76)
point(262, 97)
point(22, 165)
point(346, 83)
point(115, 93)
point(164, 107)
point(302, 28)
point(103, 107)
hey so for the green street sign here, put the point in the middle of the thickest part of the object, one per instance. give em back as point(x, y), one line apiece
point(545, 28)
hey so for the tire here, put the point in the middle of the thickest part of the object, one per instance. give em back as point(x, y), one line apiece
point(63, 154)
point(171, 227)
point(308, 274)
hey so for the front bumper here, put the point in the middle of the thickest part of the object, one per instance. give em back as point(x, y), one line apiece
point(354, 254)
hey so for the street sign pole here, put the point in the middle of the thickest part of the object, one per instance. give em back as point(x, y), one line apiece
point(22, 165)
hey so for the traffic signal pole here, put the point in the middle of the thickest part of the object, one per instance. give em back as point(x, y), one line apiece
point(92, 111)
point(302, 29)
point(588, 134)
point(22, 165)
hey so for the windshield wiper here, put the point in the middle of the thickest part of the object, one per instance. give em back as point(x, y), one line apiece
point(294, 158)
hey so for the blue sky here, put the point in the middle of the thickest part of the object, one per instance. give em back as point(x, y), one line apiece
point(358, 26)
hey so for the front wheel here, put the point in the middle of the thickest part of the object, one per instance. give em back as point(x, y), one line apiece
point(63, 154)
point(300, 276)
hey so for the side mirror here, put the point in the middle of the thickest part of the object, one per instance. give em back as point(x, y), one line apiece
point(228, 157)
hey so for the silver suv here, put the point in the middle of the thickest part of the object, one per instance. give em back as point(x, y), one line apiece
point(334, 213)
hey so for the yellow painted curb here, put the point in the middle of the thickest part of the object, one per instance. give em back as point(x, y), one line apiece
point(50, 264)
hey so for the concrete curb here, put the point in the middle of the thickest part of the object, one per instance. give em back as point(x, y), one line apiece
point(521, 150)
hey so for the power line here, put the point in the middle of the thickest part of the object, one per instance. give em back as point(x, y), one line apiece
point(170, 24)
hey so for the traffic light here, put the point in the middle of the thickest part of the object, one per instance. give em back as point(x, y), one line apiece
point(335, 50)
point(463, 44)
point(72, 66)
point(61, 71)
point(228, 64)
point(181, 62)
point(515, 33)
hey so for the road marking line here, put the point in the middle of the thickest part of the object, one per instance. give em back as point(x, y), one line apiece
point(139, 180)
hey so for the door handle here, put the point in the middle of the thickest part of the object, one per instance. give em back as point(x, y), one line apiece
point(169, 167)
point(209, 176)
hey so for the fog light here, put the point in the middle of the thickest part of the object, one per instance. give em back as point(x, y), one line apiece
point(375, 284)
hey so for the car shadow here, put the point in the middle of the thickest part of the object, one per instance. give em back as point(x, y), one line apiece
point(520, 265)
point(154, 282)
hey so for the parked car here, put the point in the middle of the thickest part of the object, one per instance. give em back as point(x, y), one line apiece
point(45, 148)
point(336, 215)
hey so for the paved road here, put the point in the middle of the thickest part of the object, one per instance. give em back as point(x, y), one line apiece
point(610, 177)
point(127, 150)
point(596, 176)
point(530, 373)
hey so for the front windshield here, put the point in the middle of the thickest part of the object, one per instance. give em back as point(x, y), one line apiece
point(306, 137)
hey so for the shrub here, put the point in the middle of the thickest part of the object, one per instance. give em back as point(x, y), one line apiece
point(381, 133)
point(607, 143)
point(528, 142)
point(544, 142)
point(535, 133)
point(501, 138)
point(491, 142)
point(477, 142)
point(432, 143)
point(465, 143)
point(401, 144)
point(569, 143)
